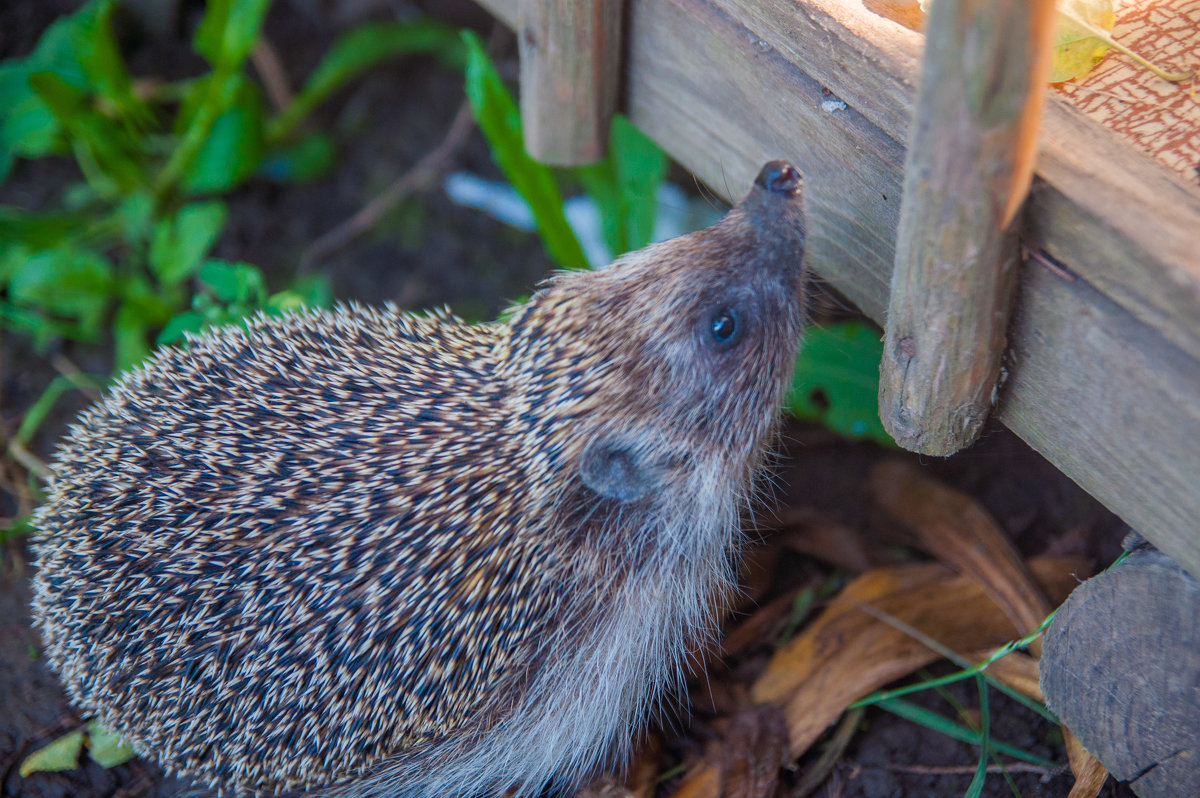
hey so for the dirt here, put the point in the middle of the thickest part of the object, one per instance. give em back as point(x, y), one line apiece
point(429, 252)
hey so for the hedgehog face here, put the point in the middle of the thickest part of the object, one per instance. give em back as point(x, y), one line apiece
point(692, 339)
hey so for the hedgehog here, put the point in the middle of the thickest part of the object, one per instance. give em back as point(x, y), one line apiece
point(366, 552)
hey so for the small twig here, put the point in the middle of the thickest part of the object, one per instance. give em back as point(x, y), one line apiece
point(1048, 263)
point(266, 62)
point(420, 175)
point(26, 458)
point(80, 379)
point(837, 746)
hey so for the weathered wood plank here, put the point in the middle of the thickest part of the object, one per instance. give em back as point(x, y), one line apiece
point(727, 119)
point(570, 70)
point(1119, 219)
point(1111, 403)
point(1097, 387)
point(955, 264)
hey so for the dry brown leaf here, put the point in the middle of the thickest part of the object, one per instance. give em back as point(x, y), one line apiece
point(702, 781)
point(825, 539)
point(955, 528)
point(846, 653)
point(755, 749)
point(1018, 670)
point(1090, 775)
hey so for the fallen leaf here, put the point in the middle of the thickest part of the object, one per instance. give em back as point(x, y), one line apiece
point(955, 528)
point(1086, 26)
point(1077, 48)
point(755, 749)
point(1090, 775)
point(822, 537)
point(62, 754)
point(106, 748)
point(846, 652)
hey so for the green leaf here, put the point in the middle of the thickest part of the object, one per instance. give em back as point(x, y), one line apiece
point(359, 50)
point(181, 241)
point(497, 115)
point(308, 159)
point(106, 748)
point(97, 138)
point(36, 230)
point(185, 322)
point(136, 216)
point(234, 282)
point(205, 101)
point(312, 291)
point(985, 723)
point(68, 282)
point(233, 148)
point(837, 380)
point(229, 30)
point(27, 127)
point(62, 754)
point(625, 187)
point(130, 333)
point(100, 58)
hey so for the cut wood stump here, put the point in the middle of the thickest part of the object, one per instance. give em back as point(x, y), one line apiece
point(1121, 667)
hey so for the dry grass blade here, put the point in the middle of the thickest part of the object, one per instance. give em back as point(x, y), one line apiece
point(956, 529)
point(847, 653)
point(702, 781)
point(1090, 775)
point(1018, 670)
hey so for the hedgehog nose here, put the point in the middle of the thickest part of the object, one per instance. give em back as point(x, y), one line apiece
point(779, 177)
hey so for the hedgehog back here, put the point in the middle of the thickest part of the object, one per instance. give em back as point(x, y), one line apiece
point(307, 520)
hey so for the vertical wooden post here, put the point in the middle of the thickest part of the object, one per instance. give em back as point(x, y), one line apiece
point(570, 70)
point(956, 264)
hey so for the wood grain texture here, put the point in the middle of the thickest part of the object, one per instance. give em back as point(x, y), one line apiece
point(955, 261)
point(1107, 366)
point(1122, 668)
point(570, 68)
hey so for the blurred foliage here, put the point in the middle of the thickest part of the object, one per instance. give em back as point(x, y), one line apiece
point(127, 252)
point(624, 185)
point(836, 381)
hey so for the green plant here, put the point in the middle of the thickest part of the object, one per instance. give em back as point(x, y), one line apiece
point(624, 185)
point(122, 252)
point(836, 381)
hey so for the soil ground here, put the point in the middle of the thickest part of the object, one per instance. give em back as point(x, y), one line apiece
point(429, 252)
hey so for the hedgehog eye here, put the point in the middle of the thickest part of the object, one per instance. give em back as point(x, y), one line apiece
point(724, 327)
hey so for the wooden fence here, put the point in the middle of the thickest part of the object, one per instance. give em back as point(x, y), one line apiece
point(1103, 359)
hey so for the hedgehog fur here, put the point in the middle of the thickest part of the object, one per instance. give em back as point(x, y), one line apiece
point(376, 553)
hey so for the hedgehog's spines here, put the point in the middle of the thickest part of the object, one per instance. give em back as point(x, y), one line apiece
point(357, 548)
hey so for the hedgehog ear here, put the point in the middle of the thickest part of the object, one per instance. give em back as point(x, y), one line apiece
point(615, 469)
